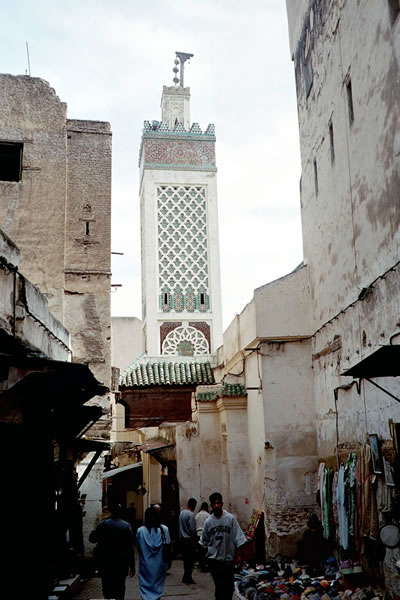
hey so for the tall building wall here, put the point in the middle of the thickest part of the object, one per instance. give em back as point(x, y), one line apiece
point(57, 209)
point(32, 210)
point(88, 243)
point(346, 57)
point(347, 79)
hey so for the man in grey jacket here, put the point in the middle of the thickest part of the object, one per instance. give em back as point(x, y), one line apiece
point(221, 536)
point(188, 539)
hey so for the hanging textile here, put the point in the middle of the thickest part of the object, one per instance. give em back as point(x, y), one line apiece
point(358, 477)
point(351, 492)
point(320, 487)
point(370, 512)
point(341, 509)
point(327, 504)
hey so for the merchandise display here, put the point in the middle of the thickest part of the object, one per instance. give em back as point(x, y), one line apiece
point(287, 580)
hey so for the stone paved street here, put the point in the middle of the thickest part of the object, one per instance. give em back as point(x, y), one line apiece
point(203, 590)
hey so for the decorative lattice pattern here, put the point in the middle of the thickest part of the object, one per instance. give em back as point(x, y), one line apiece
point(185, 341)
point(182, 248)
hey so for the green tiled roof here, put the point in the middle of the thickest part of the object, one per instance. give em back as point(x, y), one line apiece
point(228, 389)
point(143, 373)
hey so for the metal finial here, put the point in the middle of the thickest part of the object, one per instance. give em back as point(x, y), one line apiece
point(182, 56)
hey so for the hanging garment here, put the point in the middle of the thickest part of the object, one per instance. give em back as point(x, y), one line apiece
point(320, 487)
point(358, 477)
point(327, 504)
point(370, 510)
point(351, 492)
point(341, 508)
point(334, 505)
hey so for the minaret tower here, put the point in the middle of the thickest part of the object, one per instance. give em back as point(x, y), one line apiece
point(181, 287)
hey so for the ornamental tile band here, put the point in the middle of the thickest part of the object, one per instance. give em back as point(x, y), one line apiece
point(143, 374)
point(178, 151)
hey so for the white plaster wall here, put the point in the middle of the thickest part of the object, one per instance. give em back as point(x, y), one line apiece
point(256, 430)
point(239, 334)
point(189, 466)
point(126, 341)
point(233, 414)
point(155, 481)
point(283, 306)
point(289, 416)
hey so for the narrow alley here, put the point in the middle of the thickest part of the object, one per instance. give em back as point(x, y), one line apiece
point(203, 590)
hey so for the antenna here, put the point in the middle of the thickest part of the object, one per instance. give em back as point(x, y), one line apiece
point(29, 63)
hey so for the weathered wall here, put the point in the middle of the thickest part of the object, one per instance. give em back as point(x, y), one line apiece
point(290, 441)
point(234, 443)
point(351, 218)
point(188, 461)
point(88, 245)
point(24, 311)
point(268, 348)
point(348, 83)
point(353, 213)
point(32, 210)
point(59, 213)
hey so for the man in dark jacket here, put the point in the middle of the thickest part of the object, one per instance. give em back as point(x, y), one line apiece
point(114, 552)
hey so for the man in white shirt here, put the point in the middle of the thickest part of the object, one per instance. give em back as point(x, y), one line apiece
point(221, 536)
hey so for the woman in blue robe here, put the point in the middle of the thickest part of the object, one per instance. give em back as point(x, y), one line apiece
point(152, 567)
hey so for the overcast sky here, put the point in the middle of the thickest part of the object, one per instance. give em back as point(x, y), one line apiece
point(108, 60)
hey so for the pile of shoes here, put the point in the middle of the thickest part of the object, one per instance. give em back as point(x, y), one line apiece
point(290, 581)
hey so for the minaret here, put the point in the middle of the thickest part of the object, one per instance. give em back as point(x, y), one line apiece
point(181, 287)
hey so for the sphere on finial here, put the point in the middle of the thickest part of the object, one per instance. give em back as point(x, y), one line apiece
point(175, 69)
point(175, 80)
point(176, 61)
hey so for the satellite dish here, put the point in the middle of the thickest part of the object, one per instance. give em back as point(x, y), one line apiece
point(155, 124)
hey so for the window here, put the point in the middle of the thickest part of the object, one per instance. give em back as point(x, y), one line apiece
point(331, 141)
point(349, 93)
point(10, 161)
point(87, 228)
point(316, 176)
point(394, 10)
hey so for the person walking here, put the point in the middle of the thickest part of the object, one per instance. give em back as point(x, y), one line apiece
point(114, 552)
point(150, 539)
point(188, 539)
point(221, 537)
point(200, 519)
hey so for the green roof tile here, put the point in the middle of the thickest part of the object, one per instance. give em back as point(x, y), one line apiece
point(228, 389)
point(143, 373)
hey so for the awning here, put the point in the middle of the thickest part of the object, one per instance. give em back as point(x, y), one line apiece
point(120, 470)
point(384, 362)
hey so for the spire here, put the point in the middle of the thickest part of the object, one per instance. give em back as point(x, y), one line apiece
point(181, 57)
point(175, 100)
